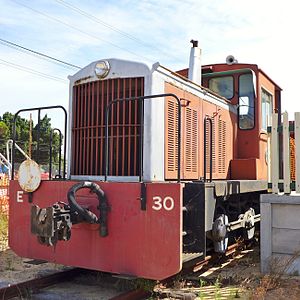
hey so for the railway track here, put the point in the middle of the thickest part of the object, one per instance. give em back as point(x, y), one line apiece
point(28, 288)
point(23, 289)
point(193, 269)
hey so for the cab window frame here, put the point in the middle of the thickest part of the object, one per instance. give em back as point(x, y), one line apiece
point(251, 106)
point(222, 77)
point(268, 93)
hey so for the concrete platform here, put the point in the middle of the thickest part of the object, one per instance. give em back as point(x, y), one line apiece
point(280, 233)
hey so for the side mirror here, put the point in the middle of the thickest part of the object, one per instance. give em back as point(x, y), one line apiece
point(244, 105)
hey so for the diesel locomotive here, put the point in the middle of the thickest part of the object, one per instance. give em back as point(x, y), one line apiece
point(159, 167)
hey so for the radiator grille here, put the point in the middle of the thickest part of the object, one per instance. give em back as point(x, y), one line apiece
point(88, 129)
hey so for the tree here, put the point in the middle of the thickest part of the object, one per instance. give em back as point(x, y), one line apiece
point(4, 131)
point(44, 130)
point(23, 135)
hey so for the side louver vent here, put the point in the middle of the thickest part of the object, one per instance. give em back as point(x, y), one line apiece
point(191, 147)
point(208, 141)
point(222, 146)
point(172, 130)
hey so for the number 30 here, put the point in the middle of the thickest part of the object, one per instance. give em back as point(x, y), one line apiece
point(167, 203)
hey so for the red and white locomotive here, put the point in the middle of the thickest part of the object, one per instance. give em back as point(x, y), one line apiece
point(161, 167)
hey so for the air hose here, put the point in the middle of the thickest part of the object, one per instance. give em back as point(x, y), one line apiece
point(84, 214)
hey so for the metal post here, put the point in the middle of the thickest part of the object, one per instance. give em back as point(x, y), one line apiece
point(142, 141)
point(38, 137)
point(286, 154)
point(59, 153)
point(274, 154)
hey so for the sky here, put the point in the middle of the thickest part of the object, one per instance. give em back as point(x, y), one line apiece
point(79, 32)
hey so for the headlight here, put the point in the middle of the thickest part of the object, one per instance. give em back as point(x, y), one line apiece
point(102, 69)
point(29, 175)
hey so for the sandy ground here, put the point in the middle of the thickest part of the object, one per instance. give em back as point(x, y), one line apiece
point(91, 286)
point(238, 278)
point(14, 269)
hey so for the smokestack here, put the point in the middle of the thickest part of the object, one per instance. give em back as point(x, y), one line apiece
point(195, 63)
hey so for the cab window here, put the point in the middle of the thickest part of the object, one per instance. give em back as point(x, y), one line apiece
point(266, 108)
point(246, 102)
point(223, 86)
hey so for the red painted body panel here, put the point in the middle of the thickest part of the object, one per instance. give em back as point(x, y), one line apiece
point(245, 169)
point(250, 145)
point(192, 137)
point(140, 243)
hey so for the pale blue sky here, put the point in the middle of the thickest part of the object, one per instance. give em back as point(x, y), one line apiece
point(262, 32)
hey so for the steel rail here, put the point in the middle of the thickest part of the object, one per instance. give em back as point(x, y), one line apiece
point(21, 289)
point(189, 267)
point(138, 294)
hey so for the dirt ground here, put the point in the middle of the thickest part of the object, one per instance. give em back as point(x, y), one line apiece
point(238, 278)
point(14, 269)
point(243, 274)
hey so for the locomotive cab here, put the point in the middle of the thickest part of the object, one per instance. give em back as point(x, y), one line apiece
point(256, 96)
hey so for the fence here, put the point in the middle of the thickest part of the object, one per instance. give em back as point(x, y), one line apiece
point(284, 158)
point(280, 213)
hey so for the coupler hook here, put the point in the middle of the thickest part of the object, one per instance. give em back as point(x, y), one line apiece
point(54, 223)
point(80, 214)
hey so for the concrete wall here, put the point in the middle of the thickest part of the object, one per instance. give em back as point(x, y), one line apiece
point(280, 234)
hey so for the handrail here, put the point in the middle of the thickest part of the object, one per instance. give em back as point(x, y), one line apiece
point(142, 98)
point(39, 109)
point(59, 154)
point(208, 119)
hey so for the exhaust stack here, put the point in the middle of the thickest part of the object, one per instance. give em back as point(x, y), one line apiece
point(195, 63)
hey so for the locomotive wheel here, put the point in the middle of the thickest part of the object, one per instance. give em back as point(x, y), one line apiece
point(249, 224)
point(219, 233)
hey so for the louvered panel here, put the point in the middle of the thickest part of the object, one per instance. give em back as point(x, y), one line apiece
point(208, 141)
point(188, 140)
point(191, 141)
point(221, 146)
point(195, 141)
point(172, 134)
point(88, 132)
point(213, 146)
